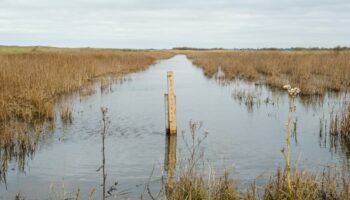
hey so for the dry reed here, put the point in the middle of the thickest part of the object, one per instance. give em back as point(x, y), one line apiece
point(314, 72)
point(306, 186)
point(32, 80)
point(339, 130)
point(250, 98)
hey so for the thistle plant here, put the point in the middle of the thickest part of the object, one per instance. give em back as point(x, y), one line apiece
point(292, 94)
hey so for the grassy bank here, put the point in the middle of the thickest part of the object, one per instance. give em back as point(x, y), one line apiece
point(314, 72)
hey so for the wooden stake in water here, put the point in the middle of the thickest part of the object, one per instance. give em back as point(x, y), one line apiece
point(170, 108)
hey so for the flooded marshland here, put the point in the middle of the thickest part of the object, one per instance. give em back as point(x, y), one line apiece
point(245, 124)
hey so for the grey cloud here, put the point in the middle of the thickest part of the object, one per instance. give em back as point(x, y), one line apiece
point(164, 24)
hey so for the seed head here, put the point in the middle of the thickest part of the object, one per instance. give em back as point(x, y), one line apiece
point(287, 87)
point(292, 91)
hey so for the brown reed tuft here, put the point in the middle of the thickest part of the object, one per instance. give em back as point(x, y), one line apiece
point(339, 130)
point(307, 186)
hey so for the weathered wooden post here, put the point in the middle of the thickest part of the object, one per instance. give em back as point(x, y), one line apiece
point(170, 107)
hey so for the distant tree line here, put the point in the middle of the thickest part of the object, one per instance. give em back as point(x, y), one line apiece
point(337, 48)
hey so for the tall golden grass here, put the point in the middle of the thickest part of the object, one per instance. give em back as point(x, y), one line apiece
point(30, 82)
point(314, 72)
point(32, 79)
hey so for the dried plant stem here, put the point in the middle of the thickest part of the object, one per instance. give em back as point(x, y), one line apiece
point(105, 124)
point(288, 135)
point(292, 93)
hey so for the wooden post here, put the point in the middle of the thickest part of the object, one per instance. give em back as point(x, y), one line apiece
point(166, 113)
point(170, 107)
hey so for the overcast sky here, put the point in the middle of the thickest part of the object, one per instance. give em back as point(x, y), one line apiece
point(166, 24)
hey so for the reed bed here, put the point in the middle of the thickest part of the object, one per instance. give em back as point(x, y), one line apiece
point(314, 72)
point(30, 82)
point(32, 79)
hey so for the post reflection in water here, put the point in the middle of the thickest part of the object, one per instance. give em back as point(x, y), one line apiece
point(170, 160)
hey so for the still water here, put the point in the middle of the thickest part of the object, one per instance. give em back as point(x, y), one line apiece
point(247, 141)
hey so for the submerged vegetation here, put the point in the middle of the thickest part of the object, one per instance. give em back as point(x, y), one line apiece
point(314, 72)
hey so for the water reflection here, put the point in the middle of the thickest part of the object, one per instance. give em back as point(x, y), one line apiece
point(333, 137)
point(170, 160)
point(18, 142)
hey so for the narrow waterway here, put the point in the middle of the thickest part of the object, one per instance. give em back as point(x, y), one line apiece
point(246, 140)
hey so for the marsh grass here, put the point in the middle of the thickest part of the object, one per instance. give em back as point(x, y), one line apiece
point(345, 123)
point(314, 72)
point(31, 82)
point(328, 185)
point(339, 130)
point(87, 91)
point(66, 114)
point(33, 79)
point(248, 97)
point(19, 143)
point(105, 84)
point(199, 187)
point(253, 98)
